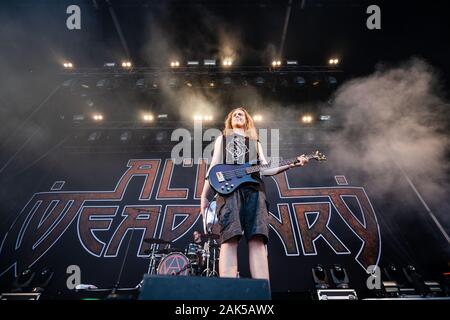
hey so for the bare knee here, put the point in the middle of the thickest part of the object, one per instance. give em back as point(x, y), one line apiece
point(231, 243)
point(256, 241)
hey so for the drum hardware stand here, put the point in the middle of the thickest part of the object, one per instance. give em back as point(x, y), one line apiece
point(208, 272)
point(152, 264)
point(113, 294)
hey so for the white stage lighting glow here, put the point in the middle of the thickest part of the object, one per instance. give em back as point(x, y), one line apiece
point(257, 117)
point(97, 117)
point(276, 63)
point(227, 62)
point(307, 118)
point(148, 117)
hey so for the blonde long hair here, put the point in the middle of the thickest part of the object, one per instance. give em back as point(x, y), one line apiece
point(250, 129)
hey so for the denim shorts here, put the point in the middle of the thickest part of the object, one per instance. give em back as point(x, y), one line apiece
point(243, 212)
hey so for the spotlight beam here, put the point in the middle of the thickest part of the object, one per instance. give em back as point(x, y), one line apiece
point(118, 28)
point(285, 28)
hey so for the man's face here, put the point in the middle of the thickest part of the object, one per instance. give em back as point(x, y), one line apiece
point(238, 119)
point(196, 235)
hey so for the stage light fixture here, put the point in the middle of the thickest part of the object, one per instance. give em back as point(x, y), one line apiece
point(140, 83)
point(203, 117)
point(147, 117)
point(78, 117)
point(161, 136)
point(97, 117)
point(415, 279)
point(320, 277)
point(173, 82)
point(332, 81)
point(174, 64)
point(43, 279)
point(276, 63)
point(339, 276)
point(94, 136)
point(260, 81)
point(103, 83)
point(307, 118)
point(299, 81)
point(333, 61)
point(227, 81)
point(125, 136)
point(68, 65)
point(126, 64)
point(209, 62)
point(24, 280)
point(70, 83)
point(395, 278)
point(193, 63)
point(227, 62)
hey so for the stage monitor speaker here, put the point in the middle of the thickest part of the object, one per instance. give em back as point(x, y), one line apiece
point(20, 296)
point(155, 287)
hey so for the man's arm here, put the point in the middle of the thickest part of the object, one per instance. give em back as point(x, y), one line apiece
point(277, 170)
point(207, 190)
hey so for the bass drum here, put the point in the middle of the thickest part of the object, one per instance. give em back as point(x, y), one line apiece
point(175, 264)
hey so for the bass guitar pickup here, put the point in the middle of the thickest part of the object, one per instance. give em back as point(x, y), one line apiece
point(220, 176)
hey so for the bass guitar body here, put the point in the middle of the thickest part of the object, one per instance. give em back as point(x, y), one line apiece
point(226, 178)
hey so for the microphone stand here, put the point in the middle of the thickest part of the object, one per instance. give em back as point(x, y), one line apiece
point(114, 295)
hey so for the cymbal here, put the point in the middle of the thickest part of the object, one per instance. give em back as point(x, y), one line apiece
point(214, 245)
point(169, 250)
point(162, 251)
point(212, 236)
point(157, 241)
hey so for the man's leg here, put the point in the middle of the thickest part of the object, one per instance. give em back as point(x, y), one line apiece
point(228, 258)
point(259, 265)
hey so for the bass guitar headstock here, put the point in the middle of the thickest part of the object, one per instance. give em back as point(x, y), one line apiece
point(319, 156)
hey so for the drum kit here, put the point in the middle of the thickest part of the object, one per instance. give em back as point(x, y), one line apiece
point(195, 260)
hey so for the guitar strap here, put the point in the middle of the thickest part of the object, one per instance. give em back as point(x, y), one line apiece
point(257, 152)
point(247, 146)
point(224, 150)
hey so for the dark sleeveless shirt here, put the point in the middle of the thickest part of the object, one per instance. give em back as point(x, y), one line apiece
point(237, 149)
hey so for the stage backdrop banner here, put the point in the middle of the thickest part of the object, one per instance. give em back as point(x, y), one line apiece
point(85, 213)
